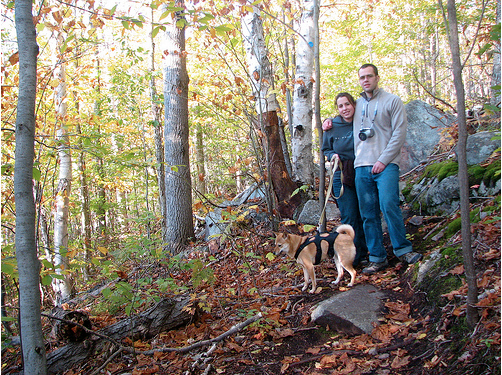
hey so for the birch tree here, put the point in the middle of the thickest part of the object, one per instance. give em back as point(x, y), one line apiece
point(61, 284)
point(301, 138)
point(179, 220)
point(262, 82)
point(33, 347)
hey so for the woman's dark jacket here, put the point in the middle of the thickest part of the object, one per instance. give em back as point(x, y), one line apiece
point(340, 140)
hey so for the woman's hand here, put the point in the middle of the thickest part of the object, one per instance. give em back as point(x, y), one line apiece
point(333, 160)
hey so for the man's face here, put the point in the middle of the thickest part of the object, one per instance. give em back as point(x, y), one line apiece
point(368, 79)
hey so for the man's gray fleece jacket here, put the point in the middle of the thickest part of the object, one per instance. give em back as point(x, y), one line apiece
point(387, 111)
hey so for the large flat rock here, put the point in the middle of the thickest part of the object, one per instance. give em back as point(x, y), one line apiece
point(352, 312)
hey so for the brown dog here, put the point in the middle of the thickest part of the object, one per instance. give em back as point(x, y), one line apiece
point(309, 251)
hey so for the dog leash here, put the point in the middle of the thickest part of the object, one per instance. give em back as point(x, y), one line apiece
point(337, 165)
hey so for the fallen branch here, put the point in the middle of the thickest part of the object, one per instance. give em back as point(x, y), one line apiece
point(221, 337)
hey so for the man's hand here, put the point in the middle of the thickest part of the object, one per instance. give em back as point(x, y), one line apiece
point(327, 124)
point(378, 167)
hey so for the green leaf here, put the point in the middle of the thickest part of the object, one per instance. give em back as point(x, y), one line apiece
point(270, 256)
point(126, 25)
point(112, 11)
point(181, 23)
point(36, 174)
point(308, 228)
point(207, 17)
point(7, 169)
point(485, 48)
point(8, 319)
point(47, 280)
point(137, 23)
point(155, 31)
point(106, 292)
point(7, 268)
point(47, 264)
point(164, 15)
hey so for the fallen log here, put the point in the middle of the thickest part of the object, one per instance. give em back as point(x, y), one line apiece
point(163, 316)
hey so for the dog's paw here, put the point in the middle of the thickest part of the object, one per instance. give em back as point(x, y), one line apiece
point(335, 282)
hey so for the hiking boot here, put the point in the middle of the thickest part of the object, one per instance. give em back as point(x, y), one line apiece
point(375, 267)
point(361, 263)
point(410, 257)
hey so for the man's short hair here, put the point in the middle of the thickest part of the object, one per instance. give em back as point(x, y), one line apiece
point(375, 69)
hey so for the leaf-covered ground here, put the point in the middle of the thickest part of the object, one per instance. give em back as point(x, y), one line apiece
point(421, 332)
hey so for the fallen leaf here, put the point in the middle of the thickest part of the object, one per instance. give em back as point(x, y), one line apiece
point(459, 270)
point(399, 362)
point(313, 350)
point(329, 360)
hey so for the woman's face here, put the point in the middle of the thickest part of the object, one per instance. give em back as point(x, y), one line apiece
point(345, 108)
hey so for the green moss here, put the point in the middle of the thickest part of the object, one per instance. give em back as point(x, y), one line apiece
point(487, 174)
point(475, 173)
point(453, 227)
point(492, 172)
point(441, 170)
point(474, 215)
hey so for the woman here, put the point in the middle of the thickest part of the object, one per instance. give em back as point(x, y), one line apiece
point(338, 142)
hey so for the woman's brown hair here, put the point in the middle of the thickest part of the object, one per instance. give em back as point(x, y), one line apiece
point(345, 95)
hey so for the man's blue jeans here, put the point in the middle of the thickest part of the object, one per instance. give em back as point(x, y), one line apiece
point(349, 211)
point(380, 193)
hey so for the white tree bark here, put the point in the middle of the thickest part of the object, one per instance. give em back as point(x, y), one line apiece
point(260, 69)
point(33, 348)
point(301, 139)
point(179, 219)
point(262, 83)
point(61, 285)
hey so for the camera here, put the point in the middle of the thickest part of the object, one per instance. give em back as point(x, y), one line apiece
point(366, 133)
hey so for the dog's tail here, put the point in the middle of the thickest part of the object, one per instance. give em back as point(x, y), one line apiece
point(346, 229)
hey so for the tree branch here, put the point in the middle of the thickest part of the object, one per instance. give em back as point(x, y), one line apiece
point(221, 337)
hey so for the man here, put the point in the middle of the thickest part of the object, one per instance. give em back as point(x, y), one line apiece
point(379, 133)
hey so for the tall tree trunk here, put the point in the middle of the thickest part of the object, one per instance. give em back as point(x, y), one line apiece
point(85, 219)
point(470, 272)
point(100, 210)
point(301, 138)
point(289, 107)
point(33, 348)
point(147, 182)
point(61, 285)
point(159, 139)
point(262, 79)
point(179, 219)
point(318, 124)
point(495, 94)
point(201, 160)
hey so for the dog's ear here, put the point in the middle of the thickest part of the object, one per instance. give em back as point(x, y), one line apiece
point(285, 235)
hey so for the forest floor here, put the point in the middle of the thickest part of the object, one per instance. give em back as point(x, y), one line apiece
point(239, 278)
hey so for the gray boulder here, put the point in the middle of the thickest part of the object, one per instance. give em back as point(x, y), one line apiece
point(353, 312)
point(480, 146)
point(311, 212)
point(425, 124)
point(437, 197)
